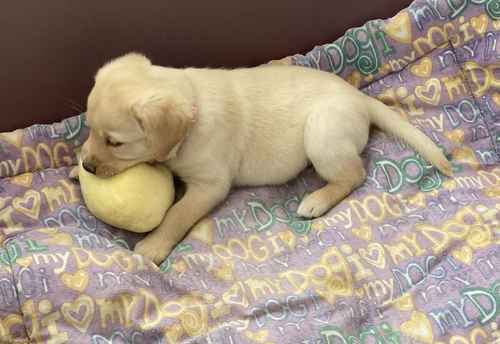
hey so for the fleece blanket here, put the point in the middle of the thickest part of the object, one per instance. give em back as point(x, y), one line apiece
point(409, 257)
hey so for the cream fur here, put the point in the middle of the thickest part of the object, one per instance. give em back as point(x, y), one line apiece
point(221, 128)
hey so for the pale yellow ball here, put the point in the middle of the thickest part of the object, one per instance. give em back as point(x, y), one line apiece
point(136, 199)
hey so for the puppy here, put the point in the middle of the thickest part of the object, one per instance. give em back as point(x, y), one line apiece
point(221, 128)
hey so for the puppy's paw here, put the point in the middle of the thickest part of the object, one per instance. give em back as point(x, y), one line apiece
point(313, 206)
point(153, 248)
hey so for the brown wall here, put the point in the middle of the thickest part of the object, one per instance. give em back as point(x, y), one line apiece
point(51, 49)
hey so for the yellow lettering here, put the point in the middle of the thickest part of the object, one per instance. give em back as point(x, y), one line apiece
point(55, 196)
point(260, 254)
point(399, 252)
point(66, 157)
point(152, 310)
point(430, 42)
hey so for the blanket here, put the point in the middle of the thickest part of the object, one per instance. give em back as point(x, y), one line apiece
point(409, 257)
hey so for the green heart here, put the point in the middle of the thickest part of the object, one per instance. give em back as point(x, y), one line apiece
point(10, 254)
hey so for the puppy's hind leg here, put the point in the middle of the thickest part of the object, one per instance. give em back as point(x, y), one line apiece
point(342, 180)
point(335, 156)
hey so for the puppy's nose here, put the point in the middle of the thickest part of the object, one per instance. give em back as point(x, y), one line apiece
point(89, 167)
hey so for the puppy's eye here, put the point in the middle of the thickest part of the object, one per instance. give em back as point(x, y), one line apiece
point(113, 143)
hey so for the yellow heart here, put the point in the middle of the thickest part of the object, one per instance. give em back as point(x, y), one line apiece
point(225, 272)
point(72, 312)
point(354, 79)
point(220, 309)
point(463, 254)
point(15, 137)
point(404, 303)
point(385, 69)
point(492, 193)
point(418, 200)
point(319, 225)
point(496, 24)
point(422, 69)
point(180, 266)
point(374, 255)
point(25, 262)
point(24, 179)
point(450, 184)
point(399, 28)
point(418, 327)
point(479, 236)
point(369, 78)
point(363, 232)
point(288, 238)
point(174, 333)
point(236, 296)
point(466, 155)
point(259, 337)
point(77, 281)
point(430, 92)
point(203, 231)
point(22, 204)
point(359, 292)
point(496, 98)
point(480, 23)
point(456, 136)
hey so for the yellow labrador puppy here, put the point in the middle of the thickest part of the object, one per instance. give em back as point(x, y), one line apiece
point(221, 128)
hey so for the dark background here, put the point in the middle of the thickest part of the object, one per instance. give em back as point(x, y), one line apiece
point(50, 50)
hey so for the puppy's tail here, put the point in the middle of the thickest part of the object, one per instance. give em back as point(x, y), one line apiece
point(392, 123)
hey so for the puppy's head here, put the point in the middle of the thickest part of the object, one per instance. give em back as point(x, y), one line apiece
point(135, 115)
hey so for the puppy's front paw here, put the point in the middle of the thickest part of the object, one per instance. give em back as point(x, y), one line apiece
point(153, 248)
point(313, 206)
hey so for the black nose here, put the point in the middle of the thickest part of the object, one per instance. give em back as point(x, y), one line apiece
point(89, 167)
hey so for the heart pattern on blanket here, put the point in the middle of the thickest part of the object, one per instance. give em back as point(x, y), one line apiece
point(430, 92)
point(363, 232)
point(79, 313)
point(374, 254)
point(29, 204)
point(399, 28)
point(77, 281)
point(24, 180)
point(258, 336)
point(496, 98)
point(9, 254)
point(25, 261)
point(422, 69)
point(418, 327)
point(463, 254)
point(480, 23)
point(404, 302)
point(354, 79)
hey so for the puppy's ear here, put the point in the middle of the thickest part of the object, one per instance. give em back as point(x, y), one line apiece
point(165, 122)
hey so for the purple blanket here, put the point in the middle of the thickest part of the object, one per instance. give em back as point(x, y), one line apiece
point(409, 257)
